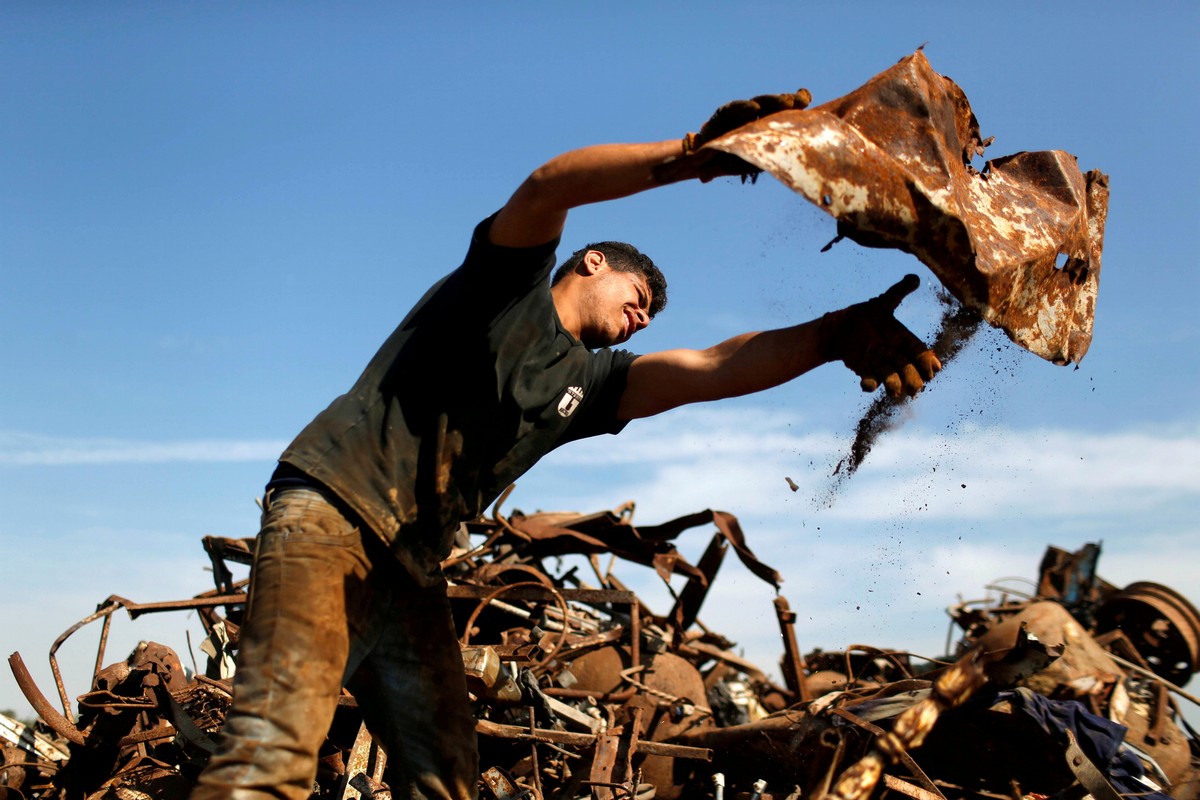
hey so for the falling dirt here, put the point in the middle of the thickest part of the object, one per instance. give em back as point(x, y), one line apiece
point(955, 329)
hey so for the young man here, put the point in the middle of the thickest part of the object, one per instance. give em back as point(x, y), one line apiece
point(492, 369)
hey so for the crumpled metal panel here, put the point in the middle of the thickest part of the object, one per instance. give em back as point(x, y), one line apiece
point(1019, 241)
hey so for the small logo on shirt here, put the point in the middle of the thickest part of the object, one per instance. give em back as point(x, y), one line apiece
point(570, 401)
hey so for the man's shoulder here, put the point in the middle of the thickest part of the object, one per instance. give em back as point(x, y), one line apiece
point(491, 258)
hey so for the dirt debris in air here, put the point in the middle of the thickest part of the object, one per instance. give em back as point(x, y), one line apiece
point(955, 329)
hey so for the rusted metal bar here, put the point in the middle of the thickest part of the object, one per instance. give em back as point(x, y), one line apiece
point(612, 764)
point(793, 661)
point(137, 609)
point(602, 777)
point(106, 626)
point(105, 609)
point(725, 657)
point(906, 788)
point(61, 725)
point(537, 781)
point(501, 731)
point(225, 687)
point(155, 734)
point(1087, 773)
point(1162, 707)
point(635, 632)
point(584, 694)
point(578, 644)
point(595, 597)
point(691, 597)
point(521, 653)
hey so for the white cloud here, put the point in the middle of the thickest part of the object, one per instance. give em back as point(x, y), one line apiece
point(698, 432)
point(740, 459)
point(28, 449)
point(903, 538)
point(902, 541)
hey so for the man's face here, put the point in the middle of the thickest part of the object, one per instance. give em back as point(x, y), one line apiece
point(618, 306)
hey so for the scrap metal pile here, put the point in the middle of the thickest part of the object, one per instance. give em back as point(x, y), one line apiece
point(581, 690)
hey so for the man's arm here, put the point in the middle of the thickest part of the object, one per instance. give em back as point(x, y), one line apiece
point(866, 337)
point(537, 211)
point(751, 362)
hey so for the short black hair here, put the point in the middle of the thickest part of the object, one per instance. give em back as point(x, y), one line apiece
point(622, 257)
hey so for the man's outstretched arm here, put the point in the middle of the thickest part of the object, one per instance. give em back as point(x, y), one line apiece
point(866, 337)
point(747, 363)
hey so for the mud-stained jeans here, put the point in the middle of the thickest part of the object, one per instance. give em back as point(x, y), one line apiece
point(330, 605)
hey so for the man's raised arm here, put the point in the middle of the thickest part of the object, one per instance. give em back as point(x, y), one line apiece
point(536, 212)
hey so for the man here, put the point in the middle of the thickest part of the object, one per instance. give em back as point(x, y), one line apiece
point(489, 371)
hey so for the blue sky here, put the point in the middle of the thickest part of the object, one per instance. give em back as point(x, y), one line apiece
point(211, 214)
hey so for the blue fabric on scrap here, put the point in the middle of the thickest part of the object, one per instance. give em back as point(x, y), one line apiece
point(1100, 739)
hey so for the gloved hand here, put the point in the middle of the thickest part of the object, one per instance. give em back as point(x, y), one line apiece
point(868, 339)
point(734, 115)
point(708, 164)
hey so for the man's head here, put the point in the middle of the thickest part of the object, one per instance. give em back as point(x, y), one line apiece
point(608, 291)
point(622, 257)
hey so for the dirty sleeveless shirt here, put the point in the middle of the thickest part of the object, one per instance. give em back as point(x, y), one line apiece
point(477, 383)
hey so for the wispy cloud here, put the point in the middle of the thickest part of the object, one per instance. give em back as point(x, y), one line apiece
point(741, 458)
point(26, 449)
point(931, 516)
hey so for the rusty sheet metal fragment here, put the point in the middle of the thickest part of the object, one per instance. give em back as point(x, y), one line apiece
point(1019, 241)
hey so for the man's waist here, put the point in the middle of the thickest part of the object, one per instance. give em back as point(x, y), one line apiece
point(287, 478)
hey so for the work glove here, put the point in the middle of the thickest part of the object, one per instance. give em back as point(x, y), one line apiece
point(734, 115)
point(709, 164)
point(868, 339)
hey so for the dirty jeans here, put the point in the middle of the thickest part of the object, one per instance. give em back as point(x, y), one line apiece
point(330, 605)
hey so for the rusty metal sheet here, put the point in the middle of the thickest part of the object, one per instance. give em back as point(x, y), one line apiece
point(1018, 241)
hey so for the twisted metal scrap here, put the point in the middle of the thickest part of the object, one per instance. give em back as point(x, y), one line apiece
point(952, 688)
point(891, 162)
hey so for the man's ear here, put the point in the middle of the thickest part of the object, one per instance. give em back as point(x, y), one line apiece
point(592, 261)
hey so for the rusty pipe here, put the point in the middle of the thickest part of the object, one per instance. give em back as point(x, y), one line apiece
point(61, 725)
point(105, 610)
point(137, 609)
point(496, 729)
point(583, 694)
